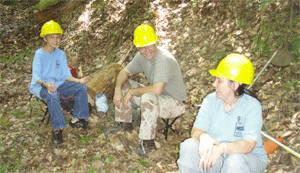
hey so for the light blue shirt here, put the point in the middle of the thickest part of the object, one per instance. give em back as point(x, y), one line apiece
point(244, 121)
point(50, 67)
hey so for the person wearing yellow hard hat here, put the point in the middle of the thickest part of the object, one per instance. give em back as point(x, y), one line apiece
point(163, 97)
point(51, 77)
point(226, 134)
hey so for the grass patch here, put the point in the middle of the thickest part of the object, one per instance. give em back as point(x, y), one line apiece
point(241, 23)
point(4, 122)
point(295, 46)
point(32, 126)
point(217, 56)
point(85, 139)
point(95, 159)
point(265, 3)
point(15, 59)
point(144, 162)
point(3, 168)
point(108, 160)
point(18, 114)
point(92, 170)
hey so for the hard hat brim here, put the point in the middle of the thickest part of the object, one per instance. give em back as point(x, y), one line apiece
point(149, 44)
point(215, 73)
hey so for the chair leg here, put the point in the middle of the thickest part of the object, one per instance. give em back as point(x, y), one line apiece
point(168, 126)
point(46, 112)
point(48, 117)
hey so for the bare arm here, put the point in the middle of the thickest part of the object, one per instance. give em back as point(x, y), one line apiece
point(121, 78)
point(197, 132)
point(82, 80)
point(73, 79)
point(156, 88)
point(242, 147)
point(50, 85)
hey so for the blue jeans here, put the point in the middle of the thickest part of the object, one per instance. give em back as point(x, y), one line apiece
point(80, 109)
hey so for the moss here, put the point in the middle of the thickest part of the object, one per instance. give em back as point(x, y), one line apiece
point(46, 3)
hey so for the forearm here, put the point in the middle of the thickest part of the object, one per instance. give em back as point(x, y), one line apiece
point(197, 132)
point(240, 147)
point(40, 81)
point(121, 78)
point(140, 91)
point(73, 79)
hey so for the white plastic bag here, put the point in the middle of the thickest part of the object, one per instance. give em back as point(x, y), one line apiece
point(101, 103)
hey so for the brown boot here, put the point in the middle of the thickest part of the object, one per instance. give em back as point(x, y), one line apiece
point(120, 127)
point(145, 148)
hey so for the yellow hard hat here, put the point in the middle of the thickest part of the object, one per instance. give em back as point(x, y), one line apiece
point(235, 67)
point(51, 27)
point(144, 35)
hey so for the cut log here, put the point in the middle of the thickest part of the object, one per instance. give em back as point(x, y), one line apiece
point(104, 82)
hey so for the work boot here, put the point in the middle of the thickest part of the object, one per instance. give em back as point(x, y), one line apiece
point(57, 137)
point(81, 123)
point(120, 127)
point(145, 148)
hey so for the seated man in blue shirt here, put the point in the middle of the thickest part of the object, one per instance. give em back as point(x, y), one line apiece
point(51, 77)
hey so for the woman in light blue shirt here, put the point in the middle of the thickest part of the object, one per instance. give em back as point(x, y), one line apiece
point(226, 134)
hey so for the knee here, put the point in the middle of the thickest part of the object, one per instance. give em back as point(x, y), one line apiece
point(148, 102)
point(54, 95)
point(189, 146)
point(235, 161)
point(148, 97)
point(83, 86)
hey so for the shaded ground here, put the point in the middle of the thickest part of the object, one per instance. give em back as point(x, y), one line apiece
point(97, 32)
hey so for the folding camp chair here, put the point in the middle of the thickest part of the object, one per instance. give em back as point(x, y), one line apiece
point(65, 101)
point(168, 126)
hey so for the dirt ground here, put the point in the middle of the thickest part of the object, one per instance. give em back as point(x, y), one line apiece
point(198, 33)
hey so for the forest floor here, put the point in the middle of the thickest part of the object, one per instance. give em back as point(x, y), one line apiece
point(96, 33)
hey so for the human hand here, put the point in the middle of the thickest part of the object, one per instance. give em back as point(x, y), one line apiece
point(50, 87)
point(118, 97)
point(128, 97)
point(205, 150)
point(84, 80)
point(216, 153)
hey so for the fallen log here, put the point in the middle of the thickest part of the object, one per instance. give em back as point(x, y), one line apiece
point(104, 81)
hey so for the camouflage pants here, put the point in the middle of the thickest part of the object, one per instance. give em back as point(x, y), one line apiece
point(152, 106)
